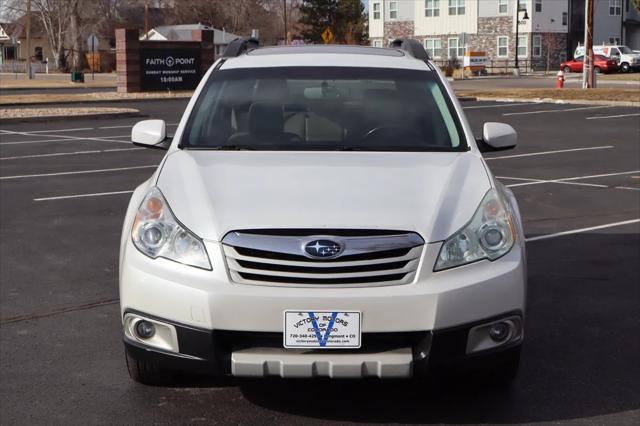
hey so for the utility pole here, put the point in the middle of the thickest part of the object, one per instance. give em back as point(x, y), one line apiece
point(146, 19)
point(286, 33)
point(28, 53)
point(587, 69)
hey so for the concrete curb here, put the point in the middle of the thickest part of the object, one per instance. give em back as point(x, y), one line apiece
point(562, 101)
point(69, 117)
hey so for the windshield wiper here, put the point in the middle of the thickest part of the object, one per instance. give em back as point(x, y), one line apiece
point(229, 148)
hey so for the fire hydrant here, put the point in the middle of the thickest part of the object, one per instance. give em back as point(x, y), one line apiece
point(560, 80)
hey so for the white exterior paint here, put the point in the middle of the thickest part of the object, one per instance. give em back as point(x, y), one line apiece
point(212, 192)
point(376, 26)
point(445, 23)
point(550, 19)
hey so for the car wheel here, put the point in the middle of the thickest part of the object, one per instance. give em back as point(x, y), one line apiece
point(597, 70)
point(625, 67)
point(567, 70)
point(147, 372)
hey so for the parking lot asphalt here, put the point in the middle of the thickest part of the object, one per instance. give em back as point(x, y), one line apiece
point(64, 187)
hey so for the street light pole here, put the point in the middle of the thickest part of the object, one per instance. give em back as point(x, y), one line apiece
point(524, 18)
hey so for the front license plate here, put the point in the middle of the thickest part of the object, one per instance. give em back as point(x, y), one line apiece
point(322, 329)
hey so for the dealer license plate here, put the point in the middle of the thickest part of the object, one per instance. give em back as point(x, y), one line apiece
point(322, 329)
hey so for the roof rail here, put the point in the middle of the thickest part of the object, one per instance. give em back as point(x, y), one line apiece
point(239, 46)
point(412, 46)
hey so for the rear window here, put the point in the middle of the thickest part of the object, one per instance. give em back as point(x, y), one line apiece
point(311, 108)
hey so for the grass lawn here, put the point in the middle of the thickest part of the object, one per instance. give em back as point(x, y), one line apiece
point(86, 97)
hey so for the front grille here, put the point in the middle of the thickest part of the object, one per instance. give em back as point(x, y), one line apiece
point(367, 259)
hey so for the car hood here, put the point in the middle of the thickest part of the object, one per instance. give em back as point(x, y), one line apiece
point(214, 192)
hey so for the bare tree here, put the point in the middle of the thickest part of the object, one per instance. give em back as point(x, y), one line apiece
point(54, 15)
point(553, 46)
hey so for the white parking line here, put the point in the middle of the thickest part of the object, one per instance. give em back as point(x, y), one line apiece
point(69, 138)
point(96, 194)
point(612, 116)
point(550, 152)
point(500, 106)
point(80, 129)
point(555, 110)
point(568, 180)
point(548, 181)
point(78, 172)
point(48, 131)
point(580, 230)
point(58, 154)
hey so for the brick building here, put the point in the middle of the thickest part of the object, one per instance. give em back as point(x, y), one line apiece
point(450, 27)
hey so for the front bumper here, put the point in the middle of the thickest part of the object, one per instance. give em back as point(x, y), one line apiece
point(383, 355)
point(434, 300)
point(229, 328)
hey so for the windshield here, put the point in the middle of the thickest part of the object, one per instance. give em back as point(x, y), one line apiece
point(625, 50)
point(327, 108)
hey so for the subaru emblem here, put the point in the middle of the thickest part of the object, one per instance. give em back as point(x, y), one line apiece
point(322, 249)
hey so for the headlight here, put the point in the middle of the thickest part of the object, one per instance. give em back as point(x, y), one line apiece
point(157, 233)
point(489, 235)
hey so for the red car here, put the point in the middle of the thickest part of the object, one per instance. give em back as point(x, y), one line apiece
point(601, 64)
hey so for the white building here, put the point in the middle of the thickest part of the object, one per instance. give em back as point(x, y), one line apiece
point(449, 27)
point(221, 38)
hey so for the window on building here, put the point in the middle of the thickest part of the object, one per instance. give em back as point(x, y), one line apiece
point(538, 6)
point(393, 10)
point(456, 7)
point(433, 47)
point(456, 49)
point(565, 18)
point(615, 7)
point(431, 7)
point(614, 40)
point(376, 11)
point(503, 7)
point(10, 53)
point(536, 43)
point(37, 52)
point(503, 46)
point(523, 41)
point(377, 43)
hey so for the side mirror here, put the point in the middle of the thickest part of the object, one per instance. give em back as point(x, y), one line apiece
point(497, 137)
point(151, 134)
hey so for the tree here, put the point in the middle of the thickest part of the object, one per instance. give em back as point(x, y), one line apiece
point(552, 45)
point(636, 3)
point(345, 17)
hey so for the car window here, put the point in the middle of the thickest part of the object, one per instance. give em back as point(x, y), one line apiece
point(625, 50)
point(327, 108)
point(600, 58)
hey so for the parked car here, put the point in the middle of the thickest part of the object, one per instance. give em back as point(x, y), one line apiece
point(627, 59)
point(322, 211)
point(601, 64)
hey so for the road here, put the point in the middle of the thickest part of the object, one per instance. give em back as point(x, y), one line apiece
point(64, 187)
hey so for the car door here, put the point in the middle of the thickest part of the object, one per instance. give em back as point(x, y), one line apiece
point(576, 64)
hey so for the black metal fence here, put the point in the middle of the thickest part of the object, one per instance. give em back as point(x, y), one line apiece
point(503, 66)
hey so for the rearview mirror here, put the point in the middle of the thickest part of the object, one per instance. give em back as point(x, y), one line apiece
point(150, 134)
point(497, 137)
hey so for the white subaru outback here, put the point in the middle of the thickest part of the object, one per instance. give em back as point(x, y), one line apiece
point(322, 211)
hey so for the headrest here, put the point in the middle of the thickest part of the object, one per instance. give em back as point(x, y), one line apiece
point(272, 90)
point(266, 118)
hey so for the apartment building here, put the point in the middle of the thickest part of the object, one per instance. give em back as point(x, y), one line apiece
point(450, 27)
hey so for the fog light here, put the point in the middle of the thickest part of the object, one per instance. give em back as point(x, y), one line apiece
point(499, 331)
point(145, 329)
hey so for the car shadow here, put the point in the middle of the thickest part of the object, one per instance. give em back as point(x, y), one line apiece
point(580, 357)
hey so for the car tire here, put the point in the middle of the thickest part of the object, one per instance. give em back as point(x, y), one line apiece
point(567, 70)
point(147, 372)
point(624, 67)
point(597, 70)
